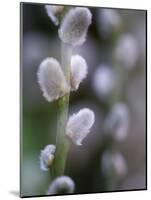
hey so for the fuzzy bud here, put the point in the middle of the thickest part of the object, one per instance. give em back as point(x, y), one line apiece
point(103, 81)
point(117, 122)
point(113, 162)
point(78, 71)
point(126, 52)
point(109, 21)
point(52, 80)
point(61, 185)
point(47, 157)
point(74, 26)
point(120, 165)
point(79, 125)
point(53, 11)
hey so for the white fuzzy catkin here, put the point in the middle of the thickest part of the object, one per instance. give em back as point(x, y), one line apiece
point(52, 80)
point(120, 164)
point(52, 11)
point(47, 157)
point(74, 26)
point(126, 51)
point(79, 125)
point(113, 161)
point(78, 71)
point(61, 185)
point(117, 122)
point(103, 81)
point(109, 21)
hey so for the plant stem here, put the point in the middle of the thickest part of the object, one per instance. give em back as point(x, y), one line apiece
point(62, 143)
point(110, 179)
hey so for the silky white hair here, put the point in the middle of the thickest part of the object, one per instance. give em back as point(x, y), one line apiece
point(103, 81)
point(61, 185)
point(52, 11)
point(78, 71)
point(52, 80)
point(47, 157)
point(113, 161)
point(118, 121)
point(74, 26)
point(79, 125)
point(127, 51)
point(109, 21)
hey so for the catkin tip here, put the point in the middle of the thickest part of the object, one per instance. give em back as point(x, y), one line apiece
point(74, 26)
point(79, 125)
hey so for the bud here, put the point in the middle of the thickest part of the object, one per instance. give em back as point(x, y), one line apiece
point(109, 22)
point(79, 125)
point(53, 11)
point(78, 71)
point(74, 26)
point(117, 122)
point(61, 185)
point(113, 162)
point(103, 81)
point(47, 157)
point(120, 165)
point(52, 80)
point(126, 51)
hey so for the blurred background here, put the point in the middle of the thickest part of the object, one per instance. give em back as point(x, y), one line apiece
point(115, 51)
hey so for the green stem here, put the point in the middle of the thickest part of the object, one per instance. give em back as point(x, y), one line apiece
point(111, 145)
point(62, 143)
point(109, 182)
